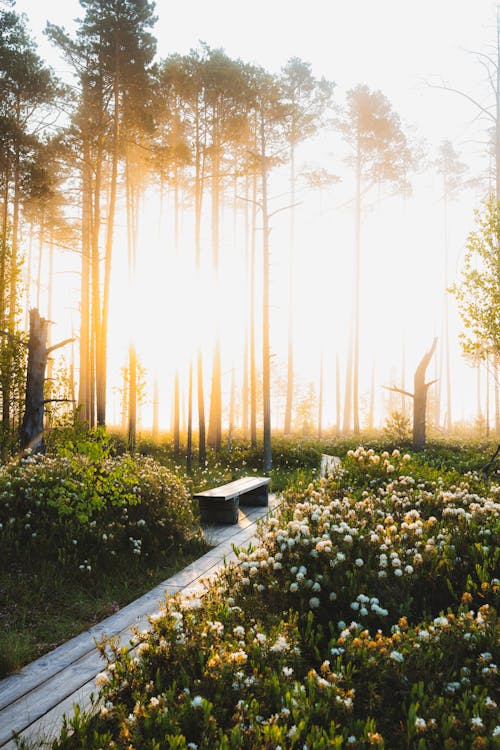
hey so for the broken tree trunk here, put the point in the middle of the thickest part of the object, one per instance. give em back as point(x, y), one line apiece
point(419, 396)
point(38, 352)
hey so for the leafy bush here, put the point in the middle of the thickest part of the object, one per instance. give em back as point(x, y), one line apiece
point(365, 617)
point(86, 508)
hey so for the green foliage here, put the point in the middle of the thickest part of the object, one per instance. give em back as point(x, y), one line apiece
point(365, 617)
point(478, 293)
point(398, 427)
point(86, 509)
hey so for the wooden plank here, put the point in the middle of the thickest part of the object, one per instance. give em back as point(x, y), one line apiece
point(234, 489)
point(35, 699)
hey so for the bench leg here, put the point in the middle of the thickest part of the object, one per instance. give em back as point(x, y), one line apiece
point(259, 496)
point(213, 510)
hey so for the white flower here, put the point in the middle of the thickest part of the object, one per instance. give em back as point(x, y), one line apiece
point(281, 644)
point(333, 596)
point(154, 702)
point(294, 587)
point(420, 724)
point(476, 721)
point(288, 671)
point(197, 701)
point(314, 602)
point(101, 679)
point(359, 562)
point(396, 656)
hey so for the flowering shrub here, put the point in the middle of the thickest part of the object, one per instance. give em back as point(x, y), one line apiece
point(365, 617)
point(84, 511)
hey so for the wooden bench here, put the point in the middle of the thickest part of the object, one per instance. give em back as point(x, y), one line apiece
point(220, 505)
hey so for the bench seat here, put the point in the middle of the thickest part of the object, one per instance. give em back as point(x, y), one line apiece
point(221, 504)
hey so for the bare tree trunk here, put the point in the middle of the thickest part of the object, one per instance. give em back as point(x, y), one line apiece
point(289, 382)
point(253, 365)
point(38, 352)
point(487, 397)
point(84, 344)
point(101, 352)
point(357, 281)
point(320, 400)
point(215, 418)
point(177, 439)
point(419, 396)
point(420, 388)
point(266, 353)
point(230, 426)
point(189, 447)
point(156, 404)
point(497, 395)
point(337, 395)
point(347, 421)
point(202, 448)
point(32, 426)
point(246, 385)
point(371, 411)
point(132, 399)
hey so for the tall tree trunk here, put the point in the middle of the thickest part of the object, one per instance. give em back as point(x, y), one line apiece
point(132, 399)
point(289, 380)
point(4, 252)
point(253, 364)
point(320, 400)
point(347, 420)
point(230, 426)
point(215, 418)
point(246, 385)
point(156, 404)
point(101, 363)
point(202, 448)
point(371, 411)
point(487, 415)
point(132, 210)
point(266, 353)
point(189, 446)
point(337, 395)
point(177, 435)
point(96, 275)
point(357, 280)
point(84, 344)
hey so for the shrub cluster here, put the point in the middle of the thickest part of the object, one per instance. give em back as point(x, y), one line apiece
point(84, 511)
point(365, 617)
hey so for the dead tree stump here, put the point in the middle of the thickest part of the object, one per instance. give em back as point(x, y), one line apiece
point(419, 396)
point(38, 352)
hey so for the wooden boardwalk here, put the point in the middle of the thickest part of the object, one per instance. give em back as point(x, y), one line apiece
point(33, 701)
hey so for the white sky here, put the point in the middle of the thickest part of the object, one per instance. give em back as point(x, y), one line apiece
point(392, 45)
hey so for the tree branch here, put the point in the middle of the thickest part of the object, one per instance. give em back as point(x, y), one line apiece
point(292, 205)
point(61, 343)
point(398, 390)
point(466, 96)
point(428, 385)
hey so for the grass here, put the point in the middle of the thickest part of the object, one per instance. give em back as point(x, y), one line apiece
point(42, 608)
